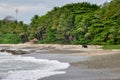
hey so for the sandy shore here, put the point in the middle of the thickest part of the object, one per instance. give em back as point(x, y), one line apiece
point(92, 63)
point(92, 50)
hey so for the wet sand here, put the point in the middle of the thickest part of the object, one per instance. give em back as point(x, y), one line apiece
point(100, 67)
point(90, 63)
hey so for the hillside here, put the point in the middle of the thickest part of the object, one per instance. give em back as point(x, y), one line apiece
point(75, 23)
point(79, 23)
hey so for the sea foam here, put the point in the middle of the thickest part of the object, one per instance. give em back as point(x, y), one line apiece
point(19, 67)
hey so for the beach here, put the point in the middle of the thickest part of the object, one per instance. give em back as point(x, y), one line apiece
point(92, 63)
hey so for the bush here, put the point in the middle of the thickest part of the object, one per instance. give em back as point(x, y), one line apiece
point(111, 47)
point(10, 39)
point(31, 36)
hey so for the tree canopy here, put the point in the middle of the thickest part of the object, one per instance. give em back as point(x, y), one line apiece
point(75, 23)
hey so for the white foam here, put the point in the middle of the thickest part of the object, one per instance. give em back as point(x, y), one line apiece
point(49, 67)
point(31, 74)
point(5, 54)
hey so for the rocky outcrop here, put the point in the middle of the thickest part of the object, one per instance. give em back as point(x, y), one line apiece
point(34, 41)
point(15, 52)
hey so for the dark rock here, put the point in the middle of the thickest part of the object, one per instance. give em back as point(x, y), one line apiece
point(15, 52)
point(84, 46)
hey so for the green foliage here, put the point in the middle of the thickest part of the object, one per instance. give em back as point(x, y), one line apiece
point(75, 23)
point(31, 36)
point(79, 23)
point(65, 25)
point(13, 28)
point(10, 39)
point(111, 47)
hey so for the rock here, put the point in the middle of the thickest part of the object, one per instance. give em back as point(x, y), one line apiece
point(15, 52)
point(34, 41)
point(84, 46)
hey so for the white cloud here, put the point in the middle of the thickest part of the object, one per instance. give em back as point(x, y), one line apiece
point(25, 12)
point(99, 2)
point(28, 8)
point(3, 5)
point(24, 8)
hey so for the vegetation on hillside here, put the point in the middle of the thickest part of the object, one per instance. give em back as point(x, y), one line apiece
point(13, 32)
point(75, 23)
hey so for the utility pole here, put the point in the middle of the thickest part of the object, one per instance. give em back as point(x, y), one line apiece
point(16, 11)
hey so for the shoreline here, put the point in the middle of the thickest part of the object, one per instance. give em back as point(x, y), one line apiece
point(97, 64)
point(57, 46)
point(92, 50)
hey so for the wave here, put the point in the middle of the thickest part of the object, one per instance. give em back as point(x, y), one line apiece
point(29, 68)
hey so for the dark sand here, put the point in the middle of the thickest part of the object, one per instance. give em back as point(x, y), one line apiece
point(84, 67)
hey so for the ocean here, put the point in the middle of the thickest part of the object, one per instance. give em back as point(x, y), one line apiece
point(18, 67)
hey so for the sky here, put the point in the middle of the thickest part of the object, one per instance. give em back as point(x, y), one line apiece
point(26, 9)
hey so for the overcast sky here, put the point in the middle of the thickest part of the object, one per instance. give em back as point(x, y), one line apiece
point(28, 8)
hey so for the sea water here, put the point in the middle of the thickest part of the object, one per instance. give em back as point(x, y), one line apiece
point(17, 67)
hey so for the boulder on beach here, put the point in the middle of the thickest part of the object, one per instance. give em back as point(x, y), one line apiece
point(15, 52)
point(34, 41)
point(84, 46)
